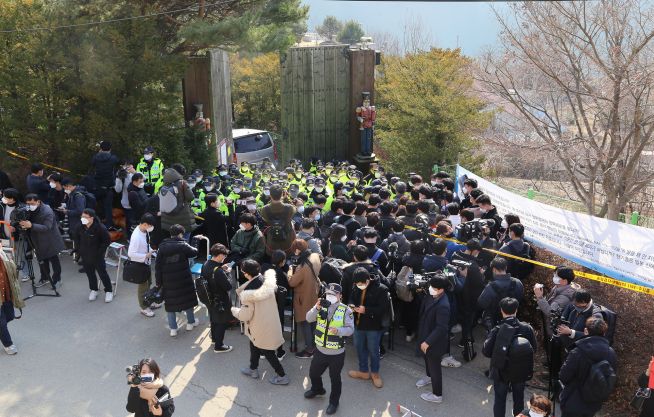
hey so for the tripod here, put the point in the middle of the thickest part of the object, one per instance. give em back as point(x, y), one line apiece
point(24, 250)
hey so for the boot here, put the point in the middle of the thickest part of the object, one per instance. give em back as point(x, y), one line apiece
point(377, 380)
point(359, 375)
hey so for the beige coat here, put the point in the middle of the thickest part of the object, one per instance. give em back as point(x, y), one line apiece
point(259, 313)
point(305, 287)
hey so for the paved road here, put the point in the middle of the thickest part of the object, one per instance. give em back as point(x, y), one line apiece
point(72, 355)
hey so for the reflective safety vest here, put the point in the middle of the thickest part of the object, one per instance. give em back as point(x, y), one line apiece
point(198, 204)
point(152, 174)
point(322, 337)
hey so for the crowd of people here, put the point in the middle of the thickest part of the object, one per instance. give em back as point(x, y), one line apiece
point(354, 254)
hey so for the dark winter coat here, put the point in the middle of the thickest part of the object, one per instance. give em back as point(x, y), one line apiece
point(5, 182)
point(75, 205)
point(173, 274)
point(348, 282)
point(340, 251)
point(152, 207)
point(352, 226)
point(489, 300)
point(648, 405)
point(137, 198)
point(139, 406)
point(473, 284)
point(213, 226)
point(185, 216)
point(492, 215)
point(94, 241)
point(434, 322)
point(523, 329)
point(104, 164)
point(220, 287)
point(403, 245)
point(414, 261)
point(39, 186)
point(574, 371)
point(382, 259)
point(278, 211)
point(577, 321)
point(433, 263)
point(376, 302)
point(44, 233)
point(385, 226)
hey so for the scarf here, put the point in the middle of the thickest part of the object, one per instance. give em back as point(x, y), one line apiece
point(148, 390)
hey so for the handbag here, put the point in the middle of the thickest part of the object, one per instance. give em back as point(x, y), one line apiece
point(641, 395)
point(136, 272)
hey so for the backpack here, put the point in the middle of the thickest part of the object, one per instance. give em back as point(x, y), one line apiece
point(513, 355)
point(170, 200)
point(331, 270)
point(599, 383)
point(610, 318)
point(401, 284)
point(90, 201)
point(277, 230)
point(493, 311)
point(203, 291)
point(522, 269)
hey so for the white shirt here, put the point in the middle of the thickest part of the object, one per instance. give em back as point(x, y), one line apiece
point(8, 210)
point(138, 246)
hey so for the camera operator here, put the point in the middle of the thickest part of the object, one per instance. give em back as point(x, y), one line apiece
point(473, 285)
point(558, 298)
point(43, 232)
point(334, 323)
point(576, 314)
point(143, 399)
point(215, 272)
point(503, 285)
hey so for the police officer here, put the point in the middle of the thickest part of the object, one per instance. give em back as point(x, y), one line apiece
point(152, 169)
point(334, 324)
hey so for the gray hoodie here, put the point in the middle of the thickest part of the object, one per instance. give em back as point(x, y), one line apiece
point(185, 217)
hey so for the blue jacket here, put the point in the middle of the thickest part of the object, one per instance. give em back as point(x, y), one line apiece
point(453, 247)
point(433, 263)
point(433, 326)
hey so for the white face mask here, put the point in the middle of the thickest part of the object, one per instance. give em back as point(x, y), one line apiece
point(150, 229)
point(370, 240)
point(344, 238)
point(433, 291)
point(84, 221)
point(331, 298)
point(319, 189)
point(504, 224)
point(362, 286)
point(222, 173)
point(433, 183)
point(300, 209)
point(251, 207)
point(199, 177)
point(53, 185)
point(483, 211)
point(31, 207)
point(4, 200)
point(241, 226)
point(535, 414)
point(377, 175)
point(141, 185)
point(68, 191)
point(237, 190)
point(208, 188)
point(556, 280)
point(317, 217)
point(147, 156)
point(266, 192)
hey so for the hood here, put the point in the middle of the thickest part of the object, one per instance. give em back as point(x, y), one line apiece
point(595, 347)
point(516, 245)
point(170, 176)
point(266, 290)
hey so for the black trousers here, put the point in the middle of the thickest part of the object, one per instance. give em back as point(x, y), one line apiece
point(434, 371)
point(270, 355)
point(44, 266)
point(99, 266)
point(218, 333)
point(319, 364)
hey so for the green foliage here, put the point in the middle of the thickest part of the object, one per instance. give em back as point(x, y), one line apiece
point(426, 112)
point(330, 27)
point(351, 32)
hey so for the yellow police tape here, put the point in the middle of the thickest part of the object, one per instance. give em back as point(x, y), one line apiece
point(16, 155)
point(600, 278)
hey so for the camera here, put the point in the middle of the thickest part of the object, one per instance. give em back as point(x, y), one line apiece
point(419, 281)
point(18, 215)
point(475, 229)
point(557, 319)
point(135, 372)
point(122, 174)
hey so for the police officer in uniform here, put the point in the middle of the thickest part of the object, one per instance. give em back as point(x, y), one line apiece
point(333, 325)
point(152, 169)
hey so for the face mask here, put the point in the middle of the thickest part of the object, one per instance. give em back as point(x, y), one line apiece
point(147, 156)
point(199, 177)
point(344, 238)
point(237, 190)
point(504, 224)
point(53, 185)
point(362, 286)
point(317, 217)
point(556, 280)
point(68, 191)
point(483, 211)
point(377, 175)
point(150, 229)
point(535, 414)
point(251, 207)
point(84, 221)
point(266, 192)
point(4, 200)
point(141, 185)
point(208, 188)
point(319, 189)
point(32, 207)
point(331, 298)
point(147, 377)
point(398, 233)
point(433, 291)
point(433, 183)
point(222, 173)
point(300, 209)
point(241, 226)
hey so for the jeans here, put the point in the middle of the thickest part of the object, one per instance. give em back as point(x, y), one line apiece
point(319, 364)
point(434, 371)
point(367, 345)
point(218, 333)
point(44, 267)
point(172, 318)
point(142, 288)
point(501, 391)
point(101, 267)
point(307, 332)
point(270, 355)
point(5, 337)
point(366, 141)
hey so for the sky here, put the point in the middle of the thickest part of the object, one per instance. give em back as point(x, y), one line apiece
point(468, 25)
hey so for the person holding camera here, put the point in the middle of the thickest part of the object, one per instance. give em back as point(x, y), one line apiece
point(369, 301)
point(215, 272)
point(7, 206)
point(94, 241)
point(303, 278)
point(334, 322)
point(575, 315)
point(43, 231)
point(150, 397)
point(258, 312)
point(559, 297)
point(173, 276)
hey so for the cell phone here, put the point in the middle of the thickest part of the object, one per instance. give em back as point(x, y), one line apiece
point(231, 264)
point(351, 305)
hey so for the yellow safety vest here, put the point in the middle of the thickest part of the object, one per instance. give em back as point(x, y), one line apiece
point(153, 175)
point(322, 337)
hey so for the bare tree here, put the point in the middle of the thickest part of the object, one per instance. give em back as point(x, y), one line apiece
point(579, 74)
point(416, 36)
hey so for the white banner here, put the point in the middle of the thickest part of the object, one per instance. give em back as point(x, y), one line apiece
point(618, 250)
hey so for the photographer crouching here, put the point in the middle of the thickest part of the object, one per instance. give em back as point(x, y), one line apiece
point(148, 396)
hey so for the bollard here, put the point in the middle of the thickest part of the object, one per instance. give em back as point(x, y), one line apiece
point(531, 193)
point(635, 216)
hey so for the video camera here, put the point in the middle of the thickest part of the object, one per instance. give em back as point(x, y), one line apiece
point(135, 372)
point(420, 281)
point(556, 320)
point(475, 229)
point(19, 214)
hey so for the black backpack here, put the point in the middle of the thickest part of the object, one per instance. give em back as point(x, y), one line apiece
point(493, 312)
point(331, 271)
point(513, 355)
point(277, 230)
point(599, 383)
point(522, 269)
point(610, 318)
point(90, 201)
point(203, 291)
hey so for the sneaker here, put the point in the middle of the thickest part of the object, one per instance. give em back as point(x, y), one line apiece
point(304, 355)
point(57, 285)
point(155, 306)
point(429, 396)
point(173, 332)
point(423, 382)
point(450, 362)
point(279, 380)
point(456, 328)
point(147, 312)
point(252, 373)
point(41, 283)
point(281, 355)
point(222, 349)
point(331, 409)
point(25, 278)
point(11, 350)
point(409, 338)
point(313, 394)
point(190, 326)
point(93, 295)
point(108, 297)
